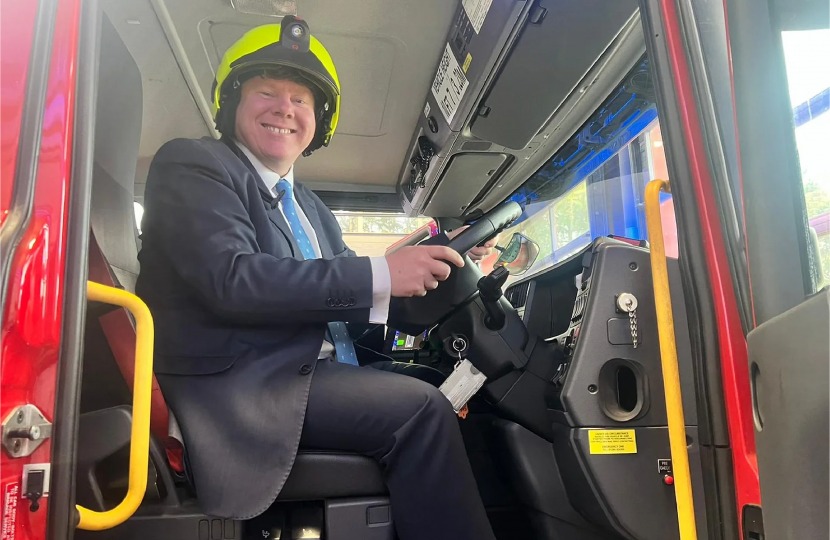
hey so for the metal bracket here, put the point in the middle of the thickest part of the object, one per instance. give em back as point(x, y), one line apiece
point(24, 430)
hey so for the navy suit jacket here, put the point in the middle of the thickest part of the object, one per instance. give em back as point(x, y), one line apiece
point(239, 316)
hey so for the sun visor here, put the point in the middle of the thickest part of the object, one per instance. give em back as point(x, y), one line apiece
point(505, 69)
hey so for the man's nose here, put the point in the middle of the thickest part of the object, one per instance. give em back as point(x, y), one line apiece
point(282, 105)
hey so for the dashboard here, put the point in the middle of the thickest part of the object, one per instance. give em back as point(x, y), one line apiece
point(599, 395)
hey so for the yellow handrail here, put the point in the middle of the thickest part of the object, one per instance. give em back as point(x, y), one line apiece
point(668, 358)
point(142, 390)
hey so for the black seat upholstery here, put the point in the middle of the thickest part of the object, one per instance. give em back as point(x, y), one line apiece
point(331, 475)
point(316, 475)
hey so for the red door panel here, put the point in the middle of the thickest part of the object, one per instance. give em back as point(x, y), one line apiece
point(32, 319)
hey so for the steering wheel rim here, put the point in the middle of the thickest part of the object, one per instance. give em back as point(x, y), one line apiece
point(494, 221)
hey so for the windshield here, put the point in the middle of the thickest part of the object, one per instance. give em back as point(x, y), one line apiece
point(595, 185)
point(369, 234)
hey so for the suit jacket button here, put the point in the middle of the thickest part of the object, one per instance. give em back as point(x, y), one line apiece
point(352, 301)
point(330, 302)
point(305, 369)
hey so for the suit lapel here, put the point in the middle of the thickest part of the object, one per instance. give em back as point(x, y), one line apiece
point(274, 214)
point(310, 210)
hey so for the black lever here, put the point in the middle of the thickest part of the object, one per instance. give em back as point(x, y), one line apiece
point(489, 287)
point(420, 162)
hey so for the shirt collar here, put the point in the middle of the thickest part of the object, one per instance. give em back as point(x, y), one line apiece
point(268, 176)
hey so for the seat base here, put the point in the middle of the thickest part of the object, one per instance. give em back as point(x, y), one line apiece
point(345, 490)
point(318, 475)
point(344, 519)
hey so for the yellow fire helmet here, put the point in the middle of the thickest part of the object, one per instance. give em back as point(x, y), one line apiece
point(286, 50)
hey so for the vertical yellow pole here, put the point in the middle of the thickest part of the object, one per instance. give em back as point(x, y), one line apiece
point(668, 358)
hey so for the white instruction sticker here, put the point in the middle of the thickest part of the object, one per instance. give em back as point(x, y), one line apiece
point(449, 85)
point(477, 12)
point(11, 493)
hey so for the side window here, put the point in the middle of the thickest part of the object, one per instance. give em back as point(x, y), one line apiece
point(139, 213)
point(808, 77)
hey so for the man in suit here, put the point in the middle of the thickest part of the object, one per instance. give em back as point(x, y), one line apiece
point(250, 284)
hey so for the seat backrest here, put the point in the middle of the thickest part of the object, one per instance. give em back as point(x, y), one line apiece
point(113, 248)
point(117, 137)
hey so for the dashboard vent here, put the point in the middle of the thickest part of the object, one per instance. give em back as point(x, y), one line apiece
point(517, 294)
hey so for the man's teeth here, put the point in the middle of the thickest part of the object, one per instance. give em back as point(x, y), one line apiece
point(278, 130)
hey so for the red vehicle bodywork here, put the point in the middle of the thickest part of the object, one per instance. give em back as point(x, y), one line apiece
point(32, 322)
point(731, 339)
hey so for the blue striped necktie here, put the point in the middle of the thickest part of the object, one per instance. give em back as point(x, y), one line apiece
point(337, 332)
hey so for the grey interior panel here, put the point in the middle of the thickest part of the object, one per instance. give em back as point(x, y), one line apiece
point(547, 62)
point(117, 133)
point(624, 48)
point(789, 359)
point(167, 108)
point(614, 475)
point(464, 176)
point(386, 60)
point(385, 53)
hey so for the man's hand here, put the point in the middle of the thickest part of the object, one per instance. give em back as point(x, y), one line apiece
point(414, 270)
point(478, 253)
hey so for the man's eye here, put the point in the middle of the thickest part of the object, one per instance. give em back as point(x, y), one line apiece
point(267, 94)
point(301, 101)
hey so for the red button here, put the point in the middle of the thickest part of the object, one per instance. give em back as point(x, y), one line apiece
point(668, 480)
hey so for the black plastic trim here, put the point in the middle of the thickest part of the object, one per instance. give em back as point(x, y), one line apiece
point(734, 235)
point(62, 513)
point(776, 220)
point(713, 429)
point(28, 151)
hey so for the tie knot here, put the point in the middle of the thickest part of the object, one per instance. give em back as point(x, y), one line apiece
point(285, 185)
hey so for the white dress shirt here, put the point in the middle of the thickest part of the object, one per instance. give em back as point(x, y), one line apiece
point(381, 280)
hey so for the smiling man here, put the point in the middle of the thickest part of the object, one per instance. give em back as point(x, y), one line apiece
point(250, 284)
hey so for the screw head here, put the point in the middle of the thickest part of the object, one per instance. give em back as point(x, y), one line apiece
point(20, 417)
point(16, 445)
point(633, 266)
point(592, 388)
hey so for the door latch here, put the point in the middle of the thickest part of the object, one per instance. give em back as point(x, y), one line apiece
point(24, 430)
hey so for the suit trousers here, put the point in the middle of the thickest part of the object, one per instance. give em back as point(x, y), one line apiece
point(410, 429)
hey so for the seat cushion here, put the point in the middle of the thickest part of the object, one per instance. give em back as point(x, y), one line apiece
point(330, 475)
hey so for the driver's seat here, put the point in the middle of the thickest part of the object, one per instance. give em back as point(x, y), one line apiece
point(349, 486)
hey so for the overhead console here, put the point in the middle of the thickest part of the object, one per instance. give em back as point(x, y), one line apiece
point(508, 90)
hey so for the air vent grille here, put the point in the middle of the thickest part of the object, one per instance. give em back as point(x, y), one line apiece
point(266, 8)
point(517, 294)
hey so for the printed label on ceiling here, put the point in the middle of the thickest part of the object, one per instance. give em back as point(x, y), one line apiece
point(477, 12)
point(612, 441)
point(449, 85)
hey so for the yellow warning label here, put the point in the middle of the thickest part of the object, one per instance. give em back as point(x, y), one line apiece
point(612, 441)
point(467, 62)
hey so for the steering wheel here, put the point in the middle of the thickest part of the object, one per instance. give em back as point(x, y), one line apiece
point(414, 315)
point(494, 221)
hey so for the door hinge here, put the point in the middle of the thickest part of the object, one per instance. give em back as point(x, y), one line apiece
point(753, 523)
point(24, 430)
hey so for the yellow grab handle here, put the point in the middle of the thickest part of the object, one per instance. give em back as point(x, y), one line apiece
point(142, 390)
point(668, 358)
